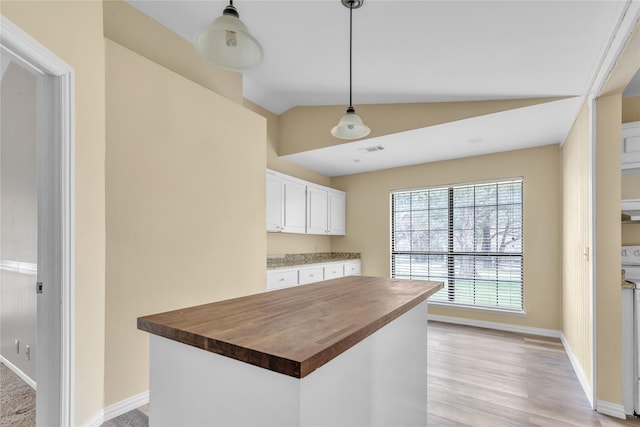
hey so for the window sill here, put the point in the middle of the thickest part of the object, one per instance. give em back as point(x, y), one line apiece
point(500, 311)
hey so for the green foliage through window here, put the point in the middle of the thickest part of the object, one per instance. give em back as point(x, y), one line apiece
point(467, 236)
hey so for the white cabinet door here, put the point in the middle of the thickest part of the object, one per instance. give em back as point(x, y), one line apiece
point(352, 268)
point(333, 271)
point(279, 279)
point(294, 211)
point(274, 202)
point(325, 211)
point(310, 275)
point(317, 209)
point(336, 210)
point(631, 145)
point(296, 206)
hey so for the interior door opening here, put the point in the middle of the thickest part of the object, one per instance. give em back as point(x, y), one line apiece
point(50, 199)
point(18, 241)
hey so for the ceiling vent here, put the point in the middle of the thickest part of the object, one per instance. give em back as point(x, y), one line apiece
point(371, 149)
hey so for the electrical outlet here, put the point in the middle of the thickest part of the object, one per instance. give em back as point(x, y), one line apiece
point(27, 351)
point(17, 341)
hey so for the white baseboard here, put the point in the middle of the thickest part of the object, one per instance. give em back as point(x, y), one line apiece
point(495, 325)
point(611, 409)
point(18, 372)
point(117, 409)
point(577, 368)
point(96, 421)
point(126, 405)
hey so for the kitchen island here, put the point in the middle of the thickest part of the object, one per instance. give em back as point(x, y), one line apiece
point(344, 352)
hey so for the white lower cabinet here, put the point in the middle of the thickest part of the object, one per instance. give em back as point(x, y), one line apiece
point(353, 268)
point(279, 279)
point(333, 271)
point(310, 275)
point(302, 275)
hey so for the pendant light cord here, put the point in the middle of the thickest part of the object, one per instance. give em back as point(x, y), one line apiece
point(350, 52)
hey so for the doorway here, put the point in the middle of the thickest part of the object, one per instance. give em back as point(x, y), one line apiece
point(18, 241)
point(50, 173)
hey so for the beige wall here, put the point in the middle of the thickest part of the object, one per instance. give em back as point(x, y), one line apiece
point(73, 31)
point(131, 28)
point(630, 187)
point(185, 205)
point(307, 128)
point(631, 109)
point(368, 221)
point(577, 300)
point(282, 243)
point(608, 196)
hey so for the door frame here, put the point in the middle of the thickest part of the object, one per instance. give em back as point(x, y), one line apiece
point(57, 369)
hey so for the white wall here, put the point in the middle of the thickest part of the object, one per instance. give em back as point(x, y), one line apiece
point(18, 218)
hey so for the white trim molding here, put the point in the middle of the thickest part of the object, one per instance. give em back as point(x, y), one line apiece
point(18, 372)
point(119, 408)
point(611, 409)
point(124, 406)
point(19, 267)
point(577, 368)
point(552, 333)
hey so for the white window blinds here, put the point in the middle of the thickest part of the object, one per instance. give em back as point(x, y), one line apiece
point(467, 236)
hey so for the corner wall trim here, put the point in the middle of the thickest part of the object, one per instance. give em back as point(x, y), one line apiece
point(495, 325)
point(577, 368)
point(611, 409)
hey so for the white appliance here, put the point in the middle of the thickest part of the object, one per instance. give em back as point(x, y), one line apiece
point(631, 330)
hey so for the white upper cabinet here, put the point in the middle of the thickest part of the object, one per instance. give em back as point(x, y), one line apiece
point(274, 202)
point(631, 145)
point(337, 212)
point(325, 211)
point(294, 209)
point(296, 206)
point(317, 210)
point(286, 204)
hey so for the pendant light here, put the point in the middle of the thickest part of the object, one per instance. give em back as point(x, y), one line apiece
point(228, 43)
point(350, 125)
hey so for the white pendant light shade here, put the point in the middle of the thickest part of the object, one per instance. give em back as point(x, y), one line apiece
point(228, 43)
point(350, 126)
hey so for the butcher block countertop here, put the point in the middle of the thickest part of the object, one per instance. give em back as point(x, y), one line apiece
point(296, 330)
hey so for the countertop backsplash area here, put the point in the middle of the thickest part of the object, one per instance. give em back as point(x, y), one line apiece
point(290, 260)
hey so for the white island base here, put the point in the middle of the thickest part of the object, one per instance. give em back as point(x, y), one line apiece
point(381, 381)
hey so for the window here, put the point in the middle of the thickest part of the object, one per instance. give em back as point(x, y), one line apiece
point(467, 236)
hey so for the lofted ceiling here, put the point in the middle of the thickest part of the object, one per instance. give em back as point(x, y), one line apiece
point(419, 52)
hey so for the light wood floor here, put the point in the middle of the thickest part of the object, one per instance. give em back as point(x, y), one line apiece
point(486, 378)
point(482, 377)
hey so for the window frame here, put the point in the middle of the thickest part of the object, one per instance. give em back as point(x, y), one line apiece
point(511, 299)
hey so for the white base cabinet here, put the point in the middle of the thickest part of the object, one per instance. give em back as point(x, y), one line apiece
point(310, 273)
point(381, 381)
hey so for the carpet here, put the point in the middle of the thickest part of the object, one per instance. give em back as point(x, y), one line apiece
point(17, 400)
